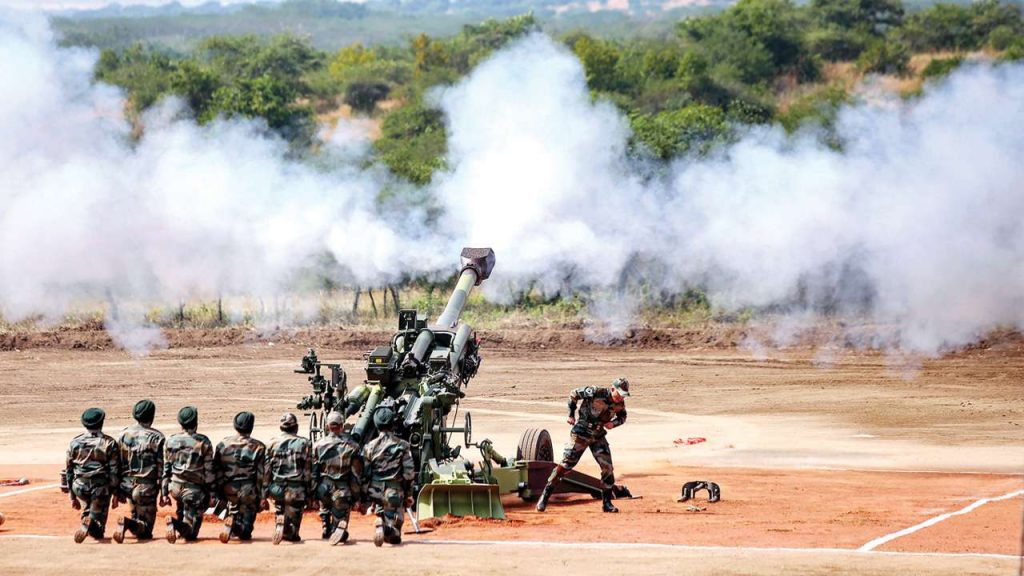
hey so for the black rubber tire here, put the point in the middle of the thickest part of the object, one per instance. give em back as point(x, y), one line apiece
point(535, 444)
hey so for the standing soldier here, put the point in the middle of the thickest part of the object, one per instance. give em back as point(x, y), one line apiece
point(142, 459)
point(337, 473)
point(391, 470)
point(287, 477)
point(188, 477)
point(92, 474)
point(602, 410)
point(238, 465)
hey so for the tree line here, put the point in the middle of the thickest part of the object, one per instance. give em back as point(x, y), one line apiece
point(756, 62)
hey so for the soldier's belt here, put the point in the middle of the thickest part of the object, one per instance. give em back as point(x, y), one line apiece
point(140, 480)
point(186, 484)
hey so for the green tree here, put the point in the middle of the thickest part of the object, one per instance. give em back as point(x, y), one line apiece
point(753, 41)
point(196, 83)
point(412, 142)
point(349, 58)
point(885, 56)
point(600, 59)
point(693, 129)
point(143, 73)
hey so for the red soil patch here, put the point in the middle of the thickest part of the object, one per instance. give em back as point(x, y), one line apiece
point(759, 508)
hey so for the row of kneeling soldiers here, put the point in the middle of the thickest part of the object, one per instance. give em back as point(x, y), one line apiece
point(144, 469)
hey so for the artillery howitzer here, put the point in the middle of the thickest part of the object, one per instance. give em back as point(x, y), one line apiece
point(327, 394)
point(422, 375)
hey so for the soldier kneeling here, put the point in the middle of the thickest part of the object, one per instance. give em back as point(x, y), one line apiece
point(238, 465)
point(391, 470)
point(287, 479)
point(188, 477)
point(337, 473)
point(142, 459)
point(92, 474)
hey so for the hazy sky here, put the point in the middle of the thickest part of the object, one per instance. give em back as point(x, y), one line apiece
point(65, 4)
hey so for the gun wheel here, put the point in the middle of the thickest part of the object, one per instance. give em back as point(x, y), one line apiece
point(535, 444)
point(316, 426)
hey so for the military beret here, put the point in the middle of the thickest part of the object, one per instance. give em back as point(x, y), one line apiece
point(383, 417)
point(188, 417)
point(289, 421)
point(144, 411)
point(335, 418)
point(93, 418)
point(244, 422)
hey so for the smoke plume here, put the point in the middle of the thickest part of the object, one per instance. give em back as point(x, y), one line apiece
point(916, 223)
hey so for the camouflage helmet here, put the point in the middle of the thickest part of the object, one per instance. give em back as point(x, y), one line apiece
point(383, 418)
point(622, 385)
point(289, 422)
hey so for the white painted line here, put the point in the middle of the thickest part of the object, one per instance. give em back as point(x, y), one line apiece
point(935, 520)
point(27, 490)
point(641, 546)
point(751, 549)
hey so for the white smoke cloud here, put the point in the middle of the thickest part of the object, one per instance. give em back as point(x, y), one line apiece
point(185, 211)
point(917, 223)
point(920, 217)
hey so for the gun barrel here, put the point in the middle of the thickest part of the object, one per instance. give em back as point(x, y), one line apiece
point(422, 345)
point(477, 264)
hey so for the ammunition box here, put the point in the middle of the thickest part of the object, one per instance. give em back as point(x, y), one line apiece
point(380, 365)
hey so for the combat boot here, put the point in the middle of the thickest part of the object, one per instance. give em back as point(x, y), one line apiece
point(378, 537)
point(328, 531)
point(95, 530)
point(542, 504)
point(225, 533)
point(118, 534)
point(339, 536)
point(81, 533)
point(278, 531)
point(171, 534)
point(607, 505)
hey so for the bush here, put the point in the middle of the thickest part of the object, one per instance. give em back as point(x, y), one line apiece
point(885, 57)
point(363, 96)
point(1014, 52)
point(940, 67)
point(836, 44)
point(956, 27)
point(1001, 37)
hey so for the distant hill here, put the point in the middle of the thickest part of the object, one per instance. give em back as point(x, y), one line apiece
point(330, 24)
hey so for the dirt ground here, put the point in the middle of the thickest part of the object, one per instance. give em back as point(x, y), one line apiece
point(817, 455)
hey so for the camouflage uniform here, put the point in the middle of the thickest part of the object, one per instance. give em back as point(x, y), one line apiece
point(239, 467)
point(188, 477)
point(337, 473)
point(596, 410)
point(390, 470)
point(286, 479)
point(92, 474)
point(142, 458)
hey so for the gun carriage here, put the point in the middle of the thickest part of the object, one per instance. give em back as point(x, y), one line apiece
point(422, 374)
